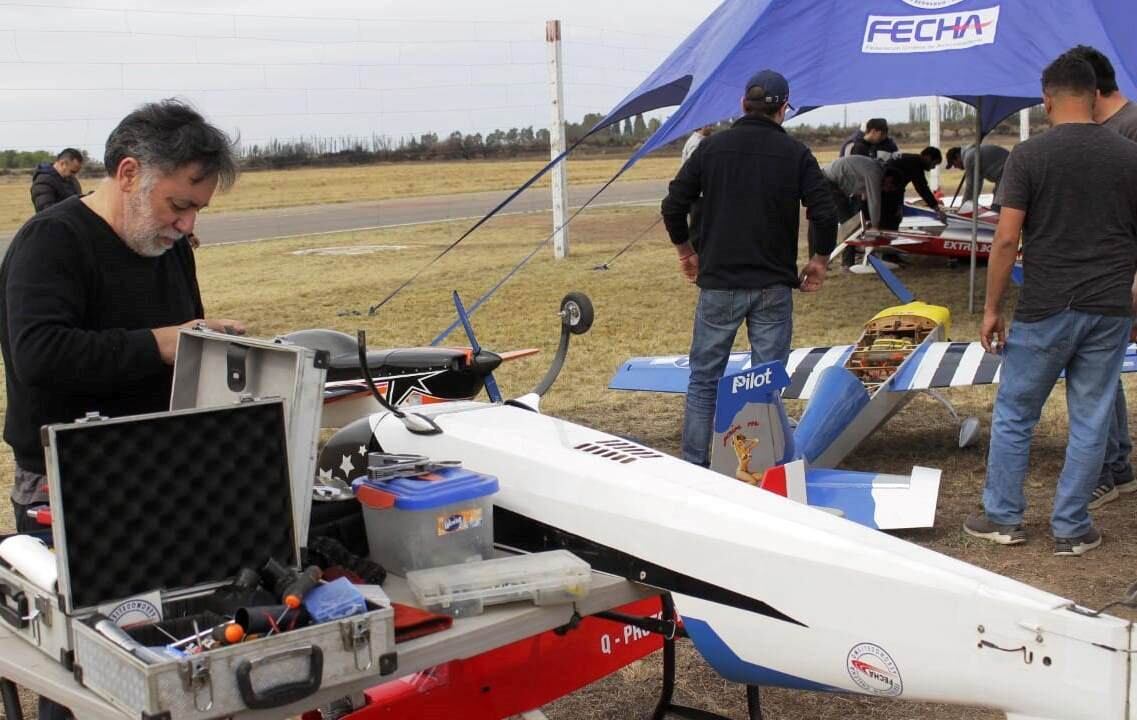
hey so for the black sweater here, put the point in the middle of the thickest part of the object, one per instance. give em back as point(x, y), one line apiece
point(753, 179)
point(76, 308)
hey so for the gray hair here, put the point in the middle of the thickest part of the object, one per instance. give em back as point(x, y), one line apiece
point(169, 135)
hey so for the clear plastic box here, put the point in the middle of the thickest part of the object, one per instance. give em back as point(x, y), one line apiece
point(428, 520)
point(546, 578)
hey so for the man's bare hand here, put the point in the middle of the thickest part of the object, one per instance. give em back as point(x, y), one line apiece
point(689, 266)
point(813, 274)
point(229, 327)
point(993, 332)
point(167, 337)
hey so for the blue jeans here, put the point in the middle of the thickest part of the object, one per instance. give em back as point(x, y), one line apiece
point(719, 313)
point(1090, 349)
point(1118, 445)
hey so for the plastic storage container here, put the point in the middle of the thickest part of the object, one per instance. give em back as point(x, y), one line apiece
point(546, 578)
point(422, 521)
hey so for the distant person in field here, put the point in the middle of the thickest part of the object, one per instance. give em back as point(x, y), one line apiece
point(872, 142)
point(53, 182)
point(992, 158)
point(752, 180)
point(1118, 113)
point(693, 141)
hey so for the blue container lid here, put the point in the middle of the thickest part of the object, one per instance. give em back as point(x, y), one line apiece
point(434, 489)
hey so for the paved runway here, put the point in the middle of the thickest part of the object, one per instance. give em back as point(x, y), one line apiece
point(248, 226)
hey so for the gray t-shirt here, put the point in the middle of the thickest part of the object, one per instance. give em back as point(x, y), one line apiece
point(858, 175)
point(1124, 121)
point(992, 160)
point(1077, 184)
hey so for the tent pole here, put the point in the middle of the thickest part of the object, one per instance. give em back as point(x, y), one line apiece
point(975, 180)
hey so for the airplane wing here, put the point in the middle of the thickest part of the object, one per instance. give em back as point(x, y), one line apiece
point(670, 373)
point(959, 364)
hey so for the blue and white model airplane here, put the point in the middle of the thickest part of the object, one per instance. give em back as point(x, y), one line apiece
point(854, 389)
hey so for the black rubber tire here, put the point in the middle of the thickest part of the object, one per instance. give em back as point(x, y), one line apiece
point(578, 314)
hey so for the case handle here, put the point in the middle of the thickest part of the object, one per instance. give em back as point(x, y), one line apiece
point(17, 617)
point(285, 693)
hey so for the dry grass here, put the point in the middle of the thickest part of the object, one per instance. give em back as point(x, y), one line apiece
point(644, 308)
point(318, 186)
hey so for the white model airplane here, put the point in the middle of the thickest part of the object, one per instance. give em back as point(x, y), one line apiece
point(773, 592)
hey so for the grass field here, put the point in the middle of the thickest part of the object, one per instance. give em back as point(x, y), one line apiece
point(643, 307)
point(314, 186)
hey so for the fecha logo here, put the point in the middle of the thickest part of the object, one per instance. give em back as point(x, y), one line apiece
point(930, 33)
point(931, 4)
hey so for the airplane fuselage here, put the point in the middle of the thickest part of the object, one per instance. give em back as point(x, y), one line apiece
point(773, 592)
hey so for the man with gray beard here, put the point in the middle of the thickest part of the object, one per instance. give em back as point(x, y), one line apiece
point(94, 290)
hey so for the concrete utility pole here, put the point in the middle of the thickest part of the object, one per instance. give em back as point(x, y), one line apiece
point(934, 135)
point(557, 139)
point(1024, 124)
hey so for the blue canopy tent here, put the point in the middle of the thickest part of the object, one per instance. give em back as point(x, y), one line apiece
point(987, 53)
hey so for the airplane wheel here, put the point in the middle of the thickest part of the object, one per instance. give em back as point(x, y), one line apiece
point(576, 309)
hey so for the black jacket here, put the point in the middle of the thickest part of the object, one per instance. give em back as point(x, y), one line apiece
point(753, 179)
point(908, 168)
point(856, 145)
point(49, 187)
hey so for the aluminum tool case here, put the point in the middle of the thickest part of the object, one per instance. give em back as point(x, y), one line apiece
point(178, 502)
point(213, 368)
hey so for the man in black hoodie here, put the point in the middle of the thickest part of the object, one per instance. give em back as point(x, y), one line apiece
point(56, 181)
point(752, 180)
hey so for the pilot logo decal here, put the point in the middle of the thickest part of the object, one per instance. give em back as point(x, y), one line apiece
point(456, 522)
point(874, 671)
point(930, 33)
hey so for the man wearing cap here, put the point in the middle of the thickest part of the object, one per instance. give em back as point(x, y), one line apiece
point(752, 180)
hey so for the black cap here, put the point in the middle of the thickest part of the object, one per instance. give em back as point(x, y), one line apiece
point(773, 84)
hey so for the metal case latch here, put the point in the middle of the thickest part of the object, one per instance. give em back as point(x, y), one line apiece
point(235, 366)
point(195, 678)
point(356, 634)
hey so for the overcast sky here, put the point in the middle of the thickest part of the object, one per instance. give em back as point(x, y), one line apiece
point(297, 68)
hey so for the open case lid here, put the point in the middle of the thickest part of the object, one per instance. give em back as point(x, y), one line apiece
point(214, 369)
point(169, 501)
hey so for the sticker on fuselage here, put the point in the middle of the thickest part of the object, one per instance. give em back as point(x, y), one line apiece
point(874, 671)
point(456, 522)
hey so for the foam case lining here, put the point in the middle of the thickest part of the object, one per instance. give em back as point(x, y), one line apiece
point(169, 500)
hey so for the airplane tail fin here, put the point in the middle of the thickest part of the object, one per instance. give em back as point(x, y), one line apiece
point(751, 431)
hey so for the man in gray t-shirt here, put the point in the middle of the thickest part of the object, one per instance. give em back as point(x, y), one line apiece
point(1072, 194)
point(992, 158)
point(1116, 112)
